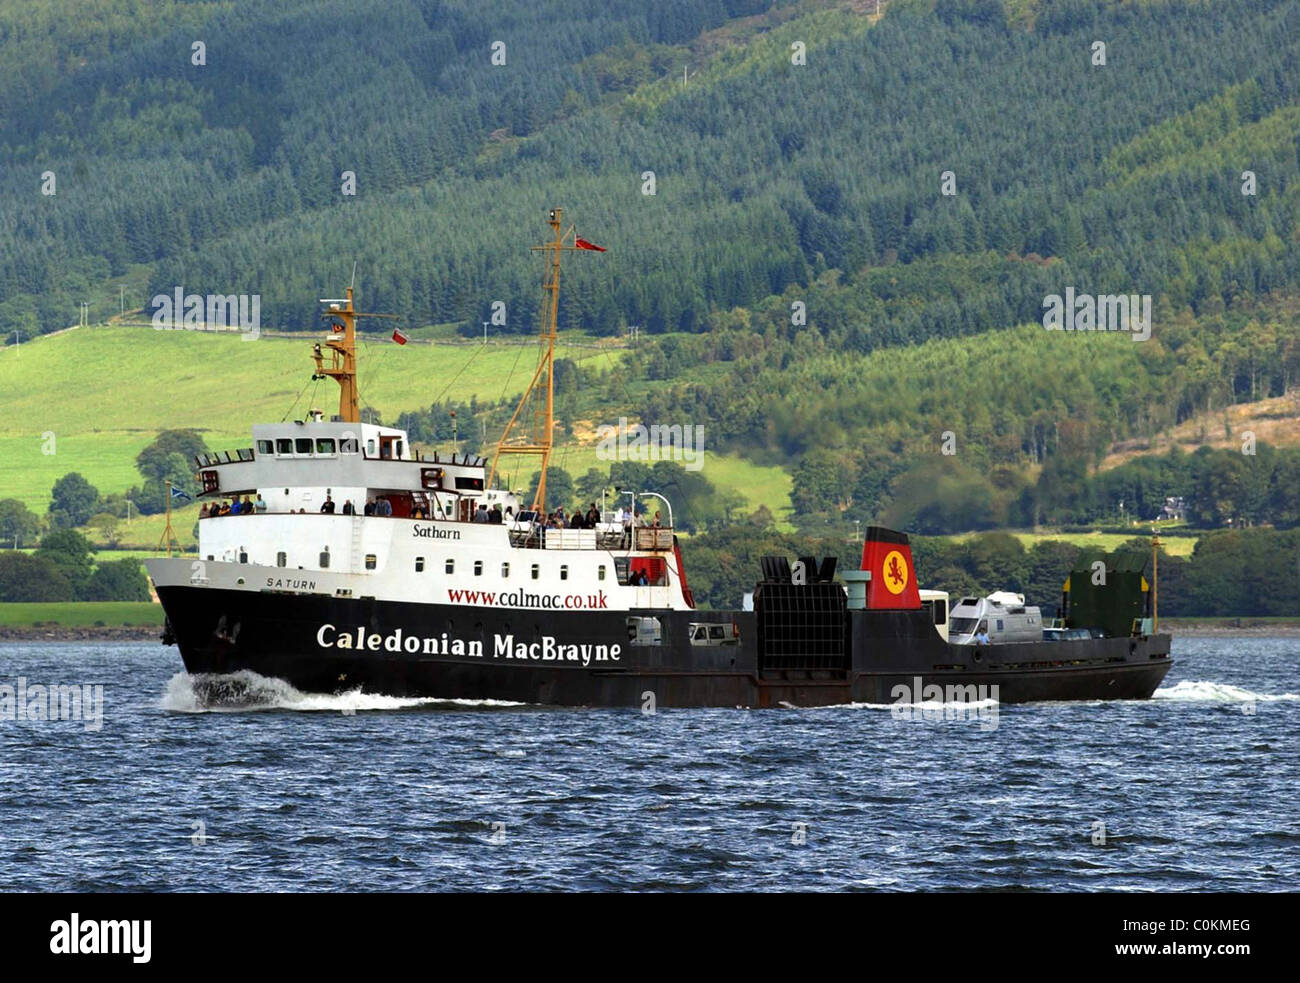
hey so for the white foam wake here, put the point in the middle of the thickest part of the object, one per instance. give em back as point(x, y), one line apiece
point(248, 691)
point(928, 706)
point(1196, 691)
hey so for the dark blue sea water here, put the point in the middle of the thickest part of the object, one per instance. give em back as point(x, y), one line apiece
point(1196, 789)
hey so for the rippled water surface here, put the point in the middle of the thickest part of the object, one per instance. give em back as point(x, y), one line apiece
point(1195, 788)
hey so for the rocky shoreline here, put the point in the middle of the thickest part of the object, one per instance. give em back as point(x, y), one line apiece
point(59, 633)
point(1245, 629)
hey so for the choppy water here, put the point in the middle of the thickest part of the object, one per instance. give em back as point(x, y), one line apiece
point(1196, 789)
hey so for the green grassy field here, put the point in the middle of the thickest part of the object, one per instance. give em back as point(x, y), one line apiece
point(756, 483)
point(103, 393)
point(81, 614)
point(1173, 545)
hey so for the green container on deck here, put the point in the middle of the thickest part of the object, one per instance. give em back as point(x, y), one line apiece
point(1112, 605)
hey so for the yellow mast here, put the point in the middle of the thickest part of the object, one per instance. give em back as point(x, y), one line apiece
point(541, 439)
point(343, 367)
point(168, 535)
point(1155, 580)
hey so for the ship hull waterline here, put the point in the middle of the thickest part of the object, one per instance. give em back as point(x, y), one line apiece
point(322, 644)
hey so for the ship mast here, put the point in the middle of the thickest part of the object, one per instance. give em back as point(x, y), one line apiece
point(540, 440)
point(343, 343)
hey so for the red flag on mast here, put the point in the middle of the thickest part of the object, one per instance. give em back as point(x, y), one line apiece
point(582, 243)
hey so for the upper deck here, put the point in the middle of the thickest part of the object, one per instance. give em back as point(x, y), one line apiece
point(319, 454)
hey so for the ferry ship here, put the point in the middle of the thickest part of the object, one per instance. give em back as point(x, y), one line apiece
point(365, 564)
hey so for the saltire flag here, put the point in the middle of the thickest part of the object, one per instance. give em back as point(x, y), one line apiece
point(178, 493)
point(582, 243)
point(399, 337)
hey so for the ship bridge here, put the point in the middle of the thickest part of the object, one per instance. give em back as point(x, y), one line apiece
point(294, 466)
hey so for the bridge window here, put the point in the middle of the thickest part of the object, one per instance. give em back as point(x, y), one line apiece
point(281, 559)
point(419, 564)
point(370, 561)
point(324, 445)
point(349, 445)
point(303, 445)
point(284, 445)
point(370, 447)
point(505, 569)
point(478, 568)
point(264, 447)
point(451, 566)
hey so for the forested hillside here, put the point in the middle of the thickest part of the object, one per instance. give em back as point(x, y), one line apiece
point(226, 176)
point(853, 226)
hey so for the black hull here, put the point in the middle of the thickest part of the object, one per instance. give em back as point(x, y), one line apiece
point(298, 638)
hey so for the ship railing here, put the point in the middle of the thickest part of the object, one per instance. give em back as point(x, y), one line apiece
point(611, 537)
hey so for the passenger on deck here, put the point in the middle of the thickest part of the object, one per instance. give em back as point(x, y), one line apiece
point(575, 519)
point(348, 508)
point(494, 515)
point(234, 507)
point(370, 506)
point(247, 507)
point(225, 508)
point(480, 513)
point(982, 634)
point(260, 505)
point(593, 516)
point(658, 523)
point(327, 506)
point(383, 507)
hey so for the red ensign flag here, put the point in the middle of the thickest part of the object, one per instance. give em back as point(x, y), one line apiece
point(584, 244)
point(399, 337)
